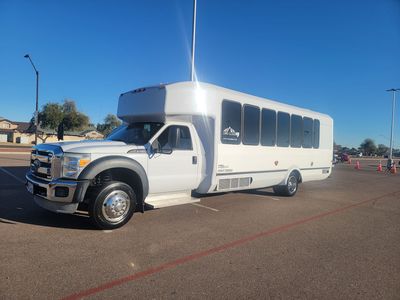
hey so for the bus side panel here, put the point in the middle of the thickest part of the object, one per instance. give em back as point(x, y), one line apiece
point(265, 166)
point(323, 156)
point(269, 166)
point(205, 127)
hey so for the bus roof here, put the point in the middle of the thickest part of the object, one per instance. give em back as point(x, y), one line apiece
point(228, 94)
point(170, 99)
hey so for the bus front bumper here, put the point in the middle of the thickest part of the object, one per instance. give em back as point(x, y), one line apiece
point(56, 195)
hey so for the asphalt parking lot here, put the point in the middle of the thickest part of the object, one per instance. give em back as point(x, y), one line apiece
point(336, 239)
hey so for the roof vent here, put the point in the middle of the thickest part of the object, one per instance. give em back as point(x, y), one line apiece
point(139, 90)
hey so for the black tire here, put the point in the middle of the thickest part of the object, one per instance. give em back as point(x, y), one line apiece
point(291, 187)
point(113, 206)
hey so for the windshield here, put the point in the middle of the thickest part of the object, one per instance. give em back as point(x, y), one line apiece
point(136, 133)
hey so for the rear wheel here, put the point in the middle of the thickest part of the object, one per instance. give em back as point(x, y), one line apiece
point(113, 206)
point(290, 188)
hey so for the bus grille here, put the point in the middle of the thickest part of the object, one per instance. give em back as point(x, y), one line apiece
point(41, 164)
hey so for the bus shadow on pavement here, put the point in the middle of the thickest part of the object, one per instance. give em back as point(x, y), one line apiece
point(261, 192)
point(17, 206)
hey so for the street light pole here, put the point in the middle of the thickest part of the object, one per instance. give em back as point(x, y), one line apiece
point(392, 128)
point(193, 40)
point(37, 97)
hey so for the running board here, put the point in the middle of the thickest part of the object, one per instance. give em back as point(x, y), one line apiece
point(172, 199)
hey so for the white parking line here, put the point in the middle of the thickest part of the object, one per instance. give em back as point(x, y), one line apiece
point(12, 175)
point(263, 196)
point(203, 206)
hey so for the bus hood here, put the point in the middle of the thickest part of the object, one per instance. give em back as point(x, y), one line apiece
point(97, 146)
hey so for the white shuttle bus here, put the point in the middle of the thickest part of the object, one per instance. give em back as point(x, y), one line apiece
point(178, 139)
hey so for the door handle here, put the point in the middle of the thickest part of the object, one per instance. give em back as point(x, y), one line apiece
point(194, 160)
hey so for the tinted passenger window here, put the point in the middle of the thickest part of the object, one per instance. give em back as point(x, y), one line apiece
point(296, 131)
point(283, 129)
point(307, 132)
point(316, 134)
point(251, 125)
point(231, 122)
point(268, 127)
point(176, 138)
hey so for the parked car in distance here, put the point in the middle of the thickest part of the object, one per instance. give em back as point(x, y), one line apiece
point(344, 157)
point(335, 159)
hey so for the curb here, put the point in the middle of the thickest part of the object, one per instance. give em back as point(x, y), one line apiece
point(23, 153)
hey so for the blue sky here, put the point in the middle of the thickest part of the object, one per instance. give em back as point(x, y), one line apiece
point(336, 57)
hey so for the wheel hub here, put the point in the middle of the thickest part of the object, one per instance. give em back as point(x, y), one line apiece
point(292, 184)
point(115, 206)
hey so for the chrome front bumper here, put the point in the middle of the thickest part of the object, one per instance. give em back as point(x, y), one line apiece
point(47, 189)
point(44, 193)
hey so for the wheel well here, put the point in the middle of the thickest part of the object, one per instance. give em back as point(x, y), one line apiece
point(118, 174)
point(297, 172)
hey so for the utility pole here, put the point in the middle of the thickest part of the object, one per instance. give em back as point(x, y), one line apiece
point(392, 128)
point(37, 97)
point(192, 71)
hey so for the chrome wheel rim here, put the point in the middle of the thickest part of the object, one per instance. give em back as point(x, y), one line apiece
point(116, 206)
point(292, 184)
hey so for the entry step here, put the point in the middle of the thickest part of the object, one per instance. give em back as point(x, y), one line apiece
point(165, 200)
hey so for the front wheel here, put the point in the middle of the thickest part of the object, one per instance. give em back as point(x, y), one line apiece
point(113, 206)
point(290, 188)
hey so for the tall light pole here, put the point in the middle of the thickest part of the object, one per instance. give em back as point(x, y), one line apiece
point(392, 128)
point(37, 97)
point(193, 40)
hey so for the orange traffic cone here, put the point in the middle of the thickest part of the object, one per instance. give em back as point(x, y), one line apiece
point(380, 167)
point(393, 169)
point(357, 167)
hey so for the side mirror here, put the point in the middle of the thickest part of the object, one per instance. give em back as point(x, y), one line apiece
point(156, 147)
point(166, 151)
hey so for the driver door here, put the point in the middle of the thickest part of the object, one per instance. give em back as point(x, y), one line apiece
point(174, 166)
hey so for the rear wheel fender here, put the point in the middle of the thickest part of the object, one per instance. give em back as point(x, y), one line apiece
point(295, 171)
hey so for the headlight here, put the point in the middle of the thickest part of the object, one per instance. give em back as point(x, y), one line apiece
point(74, 163)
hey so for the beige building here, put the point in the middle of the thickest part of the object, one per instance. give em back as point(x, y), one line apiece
point(14, 132)
point(23, 133)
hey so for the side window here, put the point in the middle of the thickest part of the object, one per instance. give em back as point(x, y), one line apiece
point(316, 134)
point(296, 131)
point(176, 138)
point(251, 125)
point(307, 132)
point(184, 139)
point(231, 122)
point(268, 127)
point(283, 129)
